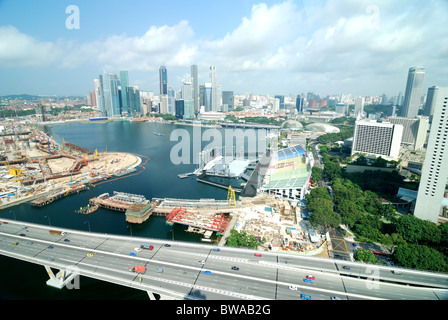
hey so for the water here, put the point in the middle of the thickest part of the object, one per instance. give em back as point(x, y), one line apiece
point(159, 179)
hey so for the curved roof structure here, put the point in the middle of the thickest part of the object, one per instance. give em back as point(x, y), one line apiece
point(292, 125)
point(322, 127)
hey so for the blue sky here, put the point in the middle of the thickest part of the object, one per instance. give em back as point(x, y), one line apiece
point(363, 47)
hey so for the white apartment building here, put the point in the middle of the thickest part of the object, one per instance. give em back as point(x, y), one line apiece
point(435, 167)
point(377, 139)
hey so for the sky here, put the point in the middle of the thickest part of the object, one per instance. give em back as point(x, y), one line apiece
point(358, 47)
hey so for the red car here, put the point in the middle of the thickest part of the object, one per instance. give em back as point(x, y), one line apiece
point(258, 254)
point(310, 277)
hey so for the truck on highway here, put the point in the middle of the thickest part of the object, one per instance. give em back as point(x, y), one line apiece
point(138, 269)
point(57, 232)
point(146, 246)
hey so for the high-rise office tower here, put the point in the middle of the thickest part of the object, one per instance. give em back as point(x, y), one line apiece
point(228, 100)
point(379, 139)
point(133, 103)
point(124, 82)
point(216, 92)
point(413, 94)
point(430, 102)
point(194, 83)
point(359, 107)
point(96, 85)
point(110, 99)
point(163, 78)
point(299, 104)
point(435, 169)
point(208, 92)
point(187, 90)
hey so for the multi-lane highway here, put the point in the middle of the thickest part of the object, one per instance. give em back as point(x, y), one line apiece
point(180, 270)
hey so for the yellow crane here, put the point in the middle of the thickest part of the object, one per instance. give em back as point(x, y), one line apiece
point(231, 197)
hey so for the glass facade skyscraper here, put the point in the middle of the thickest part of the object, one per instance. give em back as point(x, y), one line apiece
point(194, 82)
point(163, 78)
point(110, 99)
point(124, 81)
point(413, 92)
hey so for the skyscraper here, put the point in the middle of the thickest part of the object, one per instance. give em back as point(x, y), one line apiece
point(413, 92)
point(110, 99)
point(430, 102)
point(299, 104)
point(435, 169)
point(163, 77)
point(187, 90)
point(124, 82)
point(208, 92)
point(194, 83)
point(216, 90)
point(359, 107)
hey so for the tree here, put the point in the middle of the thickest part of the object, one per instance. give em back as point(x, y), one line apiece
point(316, 175)
point(420, 257)
point(325, 217)
point(365, 255)
point(237, 239)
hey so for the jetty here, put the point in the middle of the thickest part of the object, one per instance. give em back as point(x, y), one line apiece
point(50, 198)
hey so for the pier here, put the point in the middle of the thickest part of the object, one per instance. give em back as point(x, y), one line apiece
point(47, 199)
point(120, 201)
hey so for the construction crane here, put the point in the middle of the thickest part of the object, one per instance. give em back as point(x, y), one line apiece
point(231, 197)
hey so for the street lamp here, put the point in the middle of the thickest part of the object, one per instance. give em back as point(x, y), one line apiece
point(88, 224)
point(49, 223)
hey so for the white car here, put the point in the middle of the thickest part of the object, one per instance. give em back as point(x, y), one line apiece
point(293, 288)
point(137, 249)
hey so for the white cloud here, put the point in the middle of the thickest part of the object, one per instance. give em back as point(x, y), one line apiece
point(20, 50)
point(316, 45)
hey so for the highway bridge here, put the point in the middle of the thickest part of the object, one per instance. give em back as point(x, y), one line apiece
point(190, 271)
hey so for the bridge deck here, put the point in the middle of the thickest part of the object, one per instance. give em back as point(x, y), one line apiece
point(177, 269)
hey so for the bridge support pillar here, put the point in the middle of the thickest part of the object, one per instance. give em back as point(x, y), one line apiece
point(151, 295)
point(61, 279)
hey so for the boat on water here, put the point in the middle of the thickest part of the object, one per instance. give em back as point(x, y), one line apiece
point(123, 172)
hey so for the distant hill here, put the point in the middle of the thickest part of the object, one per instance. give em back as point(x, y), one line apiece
point(29, 97)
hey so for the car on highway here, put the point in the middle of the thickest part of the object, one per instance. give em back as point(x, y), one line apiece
point(216, 249)
point(235, 268)
point(305, 296)
point(335, 298)
point(90, 254)
point(310, 277)
point(167, 245)
point(307, 280)
point(201, 261)
point(207, 272)
point(15, 243)
point(50, 247)
point(132, 254)
point(346, 267)
point(293, 288)
point(257, 254)
point(137, 249)
point(159, 270)
point(397, 272)
point(66, 240)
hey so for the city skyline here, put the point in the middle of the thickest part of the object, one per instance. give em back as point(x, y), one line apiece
point(261, 47)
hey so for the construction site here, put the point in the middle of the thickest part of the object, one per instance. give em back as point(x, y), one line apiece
point(34, 168)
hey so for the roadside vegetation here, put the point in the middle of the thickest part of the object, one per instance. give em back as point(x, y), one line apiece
point(361, 201)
